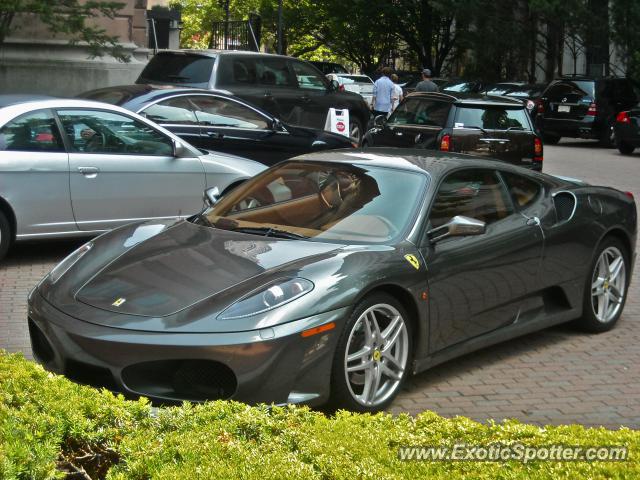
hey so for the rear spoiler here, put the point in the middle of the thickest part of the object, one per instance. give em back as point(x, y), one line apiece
point(575, 181)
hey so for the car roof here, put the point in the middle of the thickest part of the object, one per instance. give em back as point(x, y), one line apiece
point(14, 99)
point(469, 98)
point(215, 53)
point(137, 96)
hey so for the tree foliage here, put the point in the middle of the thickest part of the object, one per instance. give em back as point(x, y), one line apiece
point(488, 39)
point(71, 18)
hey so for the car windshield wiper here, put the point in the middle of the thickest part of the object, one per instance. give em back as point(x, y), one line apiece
point(270, 232)
point(474, 127)
point(514, 128)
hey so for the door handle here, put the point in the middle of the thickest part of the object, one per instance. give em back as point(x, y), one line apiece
point(89, 172)
point(215, 134)
point(268, 94)
point(305, 98)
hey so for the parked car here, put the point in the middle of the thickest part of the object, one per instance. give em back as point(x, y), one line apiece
point(360, 84)
point(584, 107)
point(334, 277)
point(529, 93)
point(220, 122)
point(411, 84)
point(498, 127)
point(73, 168)
point(627, 130)
point(462, 86)
point(329, 67)
point(288, 88)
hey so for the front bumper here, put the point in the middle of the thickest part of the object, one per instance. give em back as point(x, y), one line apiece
point(272, 365)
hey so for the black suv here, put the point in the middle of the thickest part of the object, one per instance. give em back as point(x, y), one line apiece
point(584, 107)
point(290, 89)
point(498, 127)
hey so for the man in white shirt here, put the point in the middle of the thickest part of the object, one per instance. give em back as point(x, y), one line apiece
point(397, 95)
point(382, 93)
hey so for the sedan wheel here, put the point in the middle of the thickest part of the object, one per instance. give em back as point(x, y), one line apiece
point(355, 131)
point(608, 285)
point(5, 235)
point(373, 355)
point(606, 288)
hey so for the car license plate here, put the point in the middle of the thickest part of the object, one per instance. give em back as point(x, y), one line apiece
point(564, 108)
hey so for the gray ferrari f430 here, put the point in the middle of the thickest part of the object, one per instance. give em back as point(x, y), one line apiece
point(333, 277)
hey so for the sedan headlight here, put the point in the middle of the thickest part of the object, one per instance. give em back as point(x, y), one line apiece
point(270, 297)
point(62, 268)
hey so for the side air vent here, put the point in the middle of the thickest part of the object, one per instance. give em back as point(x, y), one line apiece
point(565, 203)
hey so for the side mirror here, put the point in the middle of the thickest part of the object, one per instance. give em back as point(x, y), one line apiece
point(211, 196)
point(380, 121)
point(179, 150)
point(276, 125)
point(458, 226)
point(334, 85)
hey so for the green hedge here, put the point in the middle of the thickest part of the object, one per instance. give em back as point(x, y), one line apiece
point(51, 427)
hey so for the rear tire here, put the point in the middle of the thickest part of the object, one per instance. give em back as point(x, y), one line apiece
point(550, 139)
point(625, 148)
point(606, 287)
point(608, 136)
point(6, 237)
point(380, 358)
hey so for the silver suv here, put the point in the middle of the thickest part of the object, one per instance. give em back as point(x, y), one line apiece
point(77, 168)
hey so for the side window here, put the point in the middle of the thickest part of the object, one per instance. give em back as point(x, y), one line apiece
point(476, 194)
point(307, 77)
point(220, 112)
point(175, 110)
point(243, 71)
point(523, 191)
point(275, 72)
point(96, 131)
point(32, 132)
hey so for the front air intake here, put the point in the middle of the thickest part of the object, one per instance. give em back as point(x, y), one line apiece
point(565, 203)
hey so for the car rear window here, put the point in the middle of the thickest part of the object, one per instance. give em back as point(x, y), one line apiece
point(178, 68)
point(491, 117)
point(417, 111)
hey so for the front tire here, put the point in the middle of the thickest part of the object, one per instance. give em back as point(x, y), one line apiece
point(625, 148)
point(356, 131)
point(373, 355)
point(5, 235)
point(606, 287)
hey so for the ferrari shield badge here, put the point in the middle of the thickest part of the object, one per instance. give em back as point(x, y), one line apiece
point(119, 302)
point(413, 260)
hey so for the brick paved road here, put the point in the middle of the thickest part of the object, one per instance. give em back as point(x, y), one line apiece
point(555, 376)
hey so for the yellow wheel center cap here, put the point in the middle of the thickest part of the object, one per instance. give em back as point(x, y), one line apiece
point(377, 355)
point(606, 284)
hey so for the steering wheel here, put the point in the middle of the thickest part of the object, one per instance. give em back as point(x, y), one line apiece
point(330, 192)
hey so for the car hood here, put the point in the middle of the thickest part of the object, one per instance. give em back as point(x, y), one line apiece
point(185, 265)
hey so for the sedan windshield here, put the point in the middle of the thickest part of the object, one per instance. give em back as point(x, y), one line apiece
point(322, 201)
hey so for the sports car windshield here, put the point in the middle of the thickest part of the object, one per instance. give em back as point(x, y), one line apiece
point(322, 201)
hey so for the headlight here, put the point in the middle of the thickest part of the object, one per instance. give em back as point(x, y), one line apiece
point(272, 296)
point(62, 268)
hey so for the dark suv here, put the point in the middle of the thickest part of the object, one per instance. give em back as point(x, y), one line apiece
point(290, 89)
point(498, 127)
point(584, 107)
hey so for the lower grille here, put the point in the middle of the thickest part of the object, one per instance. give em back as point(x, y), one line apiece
point(196, 380)
point(40, 346)
point(87, 374)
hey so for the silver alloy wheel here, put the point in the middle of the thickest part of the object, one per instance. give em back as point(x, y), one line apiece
point(608, 284)
point(377, 354)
